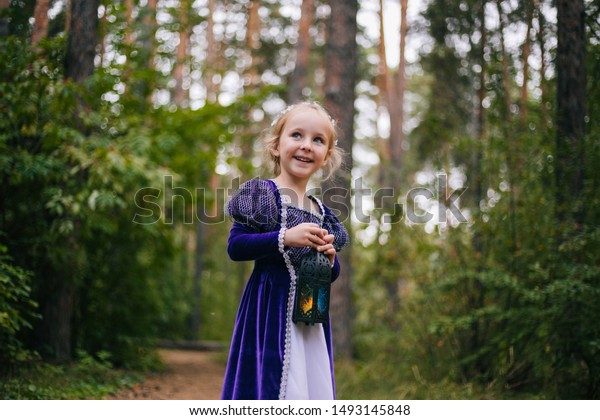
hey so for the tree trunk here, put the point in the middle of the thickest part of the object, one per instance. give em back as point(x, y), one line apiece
point(200, 244)
point(299, 77)
point(384, 83)
point(4, 22)
point(542, 45)
point(252, 79)
point(479, 289)
point(40, 26)
point(179, 94)
point(128, 41)
point(341, 59)
point(511, 159)
point(570, 124)
point(397, 118)
point(252, 45)
point(57, 308)
point(58, 303)
point(526, 54)
point(67, 16)
point(505, 67)
point(212, 56)
point(82, 40)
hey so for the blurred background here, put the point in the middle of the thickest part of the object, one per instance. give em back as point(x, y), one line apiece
point(125, 125)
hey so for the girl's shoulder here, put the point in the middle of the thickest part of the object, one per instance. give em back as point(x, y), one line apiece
point(254, 203)
point(329, 215)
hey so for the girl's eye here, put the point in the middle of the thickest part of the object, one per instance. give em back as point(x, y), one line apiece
point(319, 140)
point(296, 134)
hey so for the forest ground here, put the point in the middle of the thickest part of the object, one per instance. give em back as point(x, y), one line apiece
point(189, 375)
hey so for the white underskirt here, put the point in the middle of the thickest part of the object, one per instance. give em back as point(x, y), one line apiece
point(309, 374)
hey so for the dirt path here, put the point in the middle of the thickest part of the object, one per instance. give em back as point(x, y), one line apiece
point(191, 375)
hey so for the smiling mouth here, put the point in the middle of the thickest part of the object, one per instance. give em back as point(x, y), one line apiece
point(303, 159)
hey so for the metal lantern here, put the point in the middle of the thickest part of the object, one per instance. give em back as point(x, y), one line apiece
point(313, 287)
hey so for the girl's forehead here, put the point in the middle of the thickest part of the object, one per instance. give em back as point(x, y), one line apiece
point(308, 114)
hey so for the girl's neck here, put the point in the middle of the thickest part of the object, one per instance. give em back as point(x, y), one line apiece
point(295, 189)
point(296, 185)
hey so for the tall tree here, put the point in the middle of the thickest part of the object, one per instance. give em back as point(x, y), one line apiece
point(384, 82)
point(212, 56)
point(341, 59)
point(397, 117)
point(541, 40)
point(129, 23)
point(529, 5)
point(300, 75)
point(570, 109)
point(4, 29)
point(179, 95)
point(82, 40)
point(252, 44)
point(59, 295)
point(40, 25)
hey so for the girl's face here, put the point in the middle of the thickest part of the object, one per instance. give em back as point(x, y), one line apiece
point(304, 143)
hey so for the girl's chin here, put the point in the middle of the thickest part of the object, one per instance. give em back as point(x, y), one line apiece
point(302, 173)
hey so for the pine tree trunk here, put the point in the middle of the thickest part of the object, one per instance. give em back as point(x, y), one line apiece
point(384, 82)
point(505, 64)
point(40, 26)
point(60, 294)
point(341, 59)
point(212, 56)
point(252, 44)
point(300, 75)
point(476, 293)
point(526, 54)
point(179, 94)
point(4, 22)
point(68, 11)
point(570, 124)
point(82, 40)
point(57, 307)
point(397, 118)
point(541, 39)
point(128, 41)
point(252, 78)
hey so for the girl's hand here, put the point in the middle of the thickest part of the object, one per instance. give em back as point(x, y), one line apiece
point(305, 234)
point(328, 248)
point(310, 234)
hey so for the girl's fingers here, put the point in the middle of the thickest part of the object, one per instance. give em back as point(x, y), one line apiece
point(315, 239)
point(326, 249)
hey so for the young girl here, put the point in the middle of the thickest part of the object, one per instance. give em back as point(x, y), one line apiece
point(275, 224)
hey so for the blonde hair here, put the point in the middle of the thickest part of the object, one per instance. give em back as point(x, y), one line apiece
point(271, 137)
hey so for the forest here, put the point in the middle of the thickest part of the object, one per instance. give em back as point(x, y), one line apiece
point(471, 131)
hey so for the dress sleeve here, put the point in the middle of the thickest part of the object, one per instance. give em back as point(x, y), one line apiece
point(254, 234)
point(254, 205)
point(245, 244)
point(332, 224)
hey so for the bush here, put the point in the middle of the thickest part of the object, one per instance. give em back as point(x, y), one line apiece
point(17, 310)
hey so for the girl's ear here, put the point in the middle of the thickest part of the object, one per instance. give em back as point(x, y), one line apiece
point(275, 150)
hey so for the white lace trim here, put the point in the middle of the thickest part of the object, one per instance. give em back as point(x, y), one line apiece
point(291, 293)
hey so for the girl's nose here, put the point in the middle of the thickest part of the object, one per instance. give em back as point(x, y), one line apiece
point(306, 144)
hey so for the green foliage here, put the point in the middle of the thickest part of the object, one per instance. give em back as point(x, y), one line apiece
point(86, 378)
point(69, 179)
point(17, 310)
point(73, 165)
point(505, 306)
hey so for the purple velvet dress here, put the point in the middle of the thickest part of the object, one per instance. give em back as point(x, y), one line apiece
point(259, 354)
